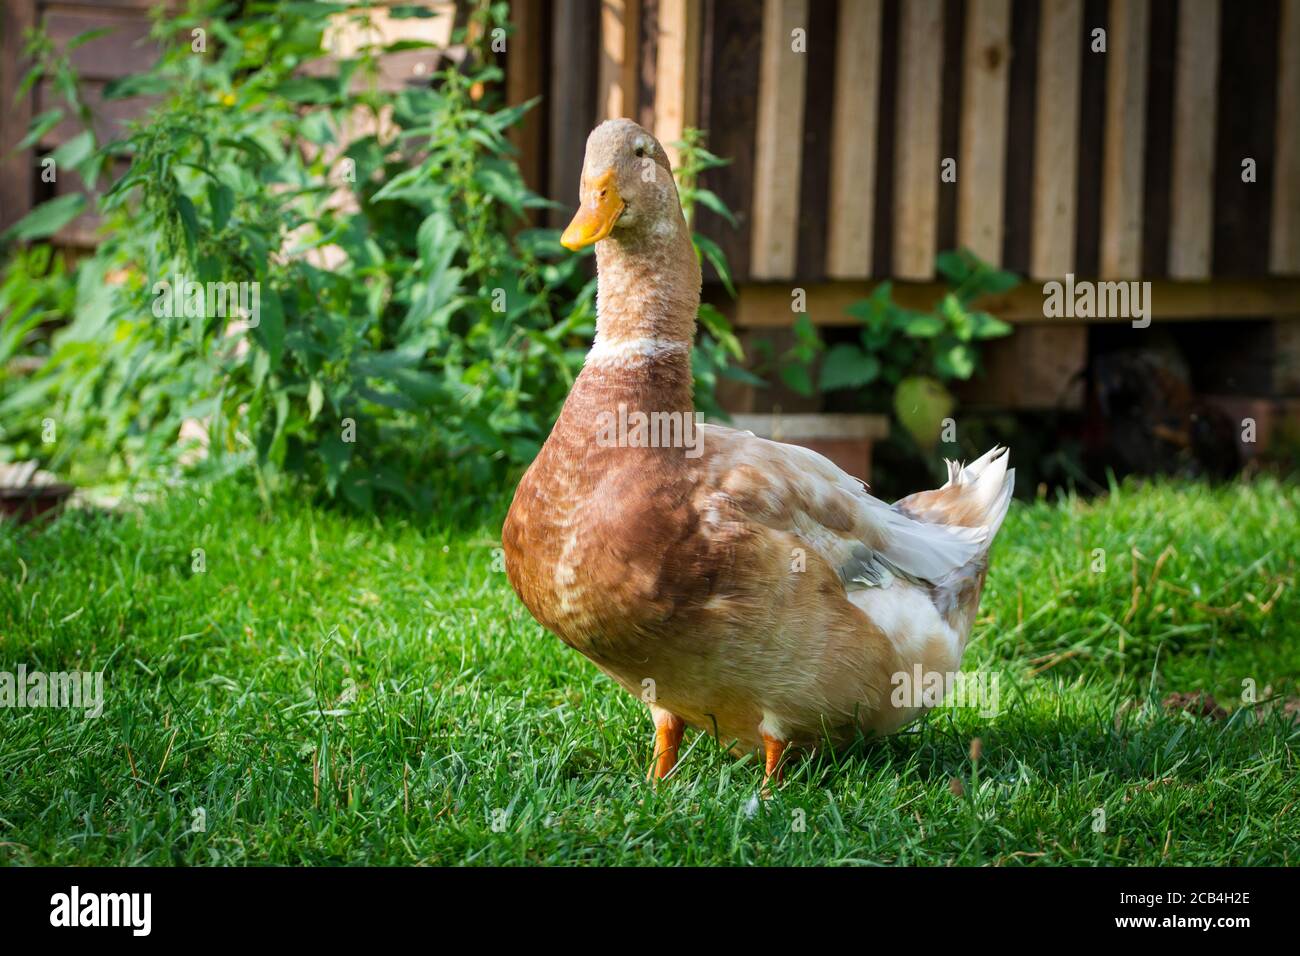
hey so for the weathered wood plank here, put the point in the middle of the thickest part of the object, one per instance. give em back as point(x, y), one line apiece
point(950, 121)
point(1126, 106)
point(815, 152)
point(1157, 160)
point(16, 17)
point(981, 171)
point(1191, 212)
point(1247, 115)
point(779, 138)
point(853, 141)
point(767, 305)
point(1039, 367)
point(1284, 249)
point(1091, 138)
point(125, 50)
point(572, 100)
point(736, 44)
point(1022, 100)
point(916, 149)
point(525, 53)
point(647, 60)
point(1060, 45)
point(677, 72)
point(882, 230)
point(619, 46)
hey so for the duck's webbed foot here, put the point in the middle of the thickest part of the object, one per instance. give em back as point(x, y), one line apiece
point(773, 751)
point(668, 738)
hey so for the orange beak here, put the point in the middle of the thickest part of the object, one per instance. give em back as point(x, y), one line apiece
point(595, 218)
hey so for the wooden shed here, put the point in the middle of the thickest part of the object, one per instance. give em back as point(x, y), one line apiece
point(1105, 139)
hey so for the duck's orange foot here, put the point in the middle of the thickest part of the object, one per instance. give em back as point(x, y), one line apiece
point(668, 738)
point(773, 751)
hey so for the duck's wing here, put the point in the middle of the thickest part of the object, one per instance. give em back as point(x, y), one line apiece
point(795, 490)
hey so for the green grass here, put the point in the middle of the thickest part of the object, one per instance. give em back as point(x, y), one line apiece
point(334, 689)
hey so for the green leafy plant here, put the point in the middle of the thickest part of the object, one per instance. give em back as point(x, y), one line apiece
point(718, 352)
point(409, 334)
point(35, 289)
point(408, 323)
point(904, 357)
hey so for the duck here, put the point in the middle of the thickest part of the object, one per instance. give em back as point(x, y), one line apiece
point(742, 587)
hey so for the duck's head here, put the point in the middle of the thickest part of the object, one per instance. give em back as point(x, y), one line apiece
point(627, 189)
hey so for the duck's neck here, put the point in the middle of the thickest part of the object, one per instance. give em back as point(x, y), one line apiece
point(648, 293)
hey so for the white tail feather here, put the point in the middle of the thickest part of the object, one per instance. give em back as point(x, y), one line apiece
point(991, 483)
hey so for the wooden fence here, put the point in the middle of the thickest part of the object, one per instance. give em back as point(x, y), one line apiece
point(867, 135)
point(838, 117)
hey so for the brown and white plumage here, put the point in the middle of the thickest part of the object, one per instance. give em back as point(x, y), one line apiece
point(756, 591)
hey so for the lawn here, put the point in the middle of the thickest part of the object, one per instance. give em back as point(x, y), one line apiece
point(336, 689)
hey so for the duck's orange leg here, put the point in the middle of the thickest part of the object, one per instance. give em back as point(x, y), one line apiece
point(773, 750)
point(668, 738)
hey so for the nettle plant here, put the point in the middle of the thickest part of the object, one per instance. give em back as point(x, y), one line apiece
point(411, 334)
point(718, 352)
point(904, 357)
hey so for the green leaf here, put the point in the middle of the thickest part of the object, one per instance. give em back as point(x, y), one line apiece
point(847, 366)
point(138, 84)
point(988, 327)
point(46, 219)
point(711, 251)
point(222, 200)
point(40, 125)
point(189, 221)
point(300, 89)
point(315, 399)
point(798, 379)
point(717, 325)
point(269, 330)
point(956, 267)
point(955, 361)
point(922, 326)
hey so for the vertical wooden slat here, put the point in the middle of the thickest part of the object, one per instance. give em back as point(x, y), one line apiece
point(573, 100)
point(981, 171)
point(647, 60)
point(853, 140)
point(1022, 100)
point(737, 40)
point(882, 230)
point(619, 46)
point(1157, 161)
point(1060, 45)
point(778, 142)
point(916, 149)
point(1191, 213)
point(1284, 254)
point(677, 71)
point(524, 57)
point(1247, 119)
point(15, 168)
point(950, 120)
point(1126, 103)
point(1091, 136)
point(815, 152)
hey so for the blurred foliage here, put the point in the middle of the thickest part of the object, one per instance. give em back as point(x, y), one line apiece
point(411, 336)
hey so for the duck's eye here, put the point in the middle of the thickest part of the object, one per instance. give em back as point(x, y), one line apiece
point(640, 152)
